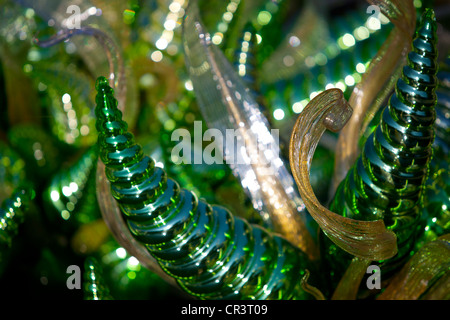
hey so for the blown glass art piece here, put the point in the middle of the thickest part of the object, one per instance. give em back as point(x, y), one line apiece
point(191, 150)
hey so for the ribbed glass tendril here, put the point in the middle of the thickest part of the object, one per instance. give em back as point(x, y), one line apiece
point(211, 253)
point(388, 178)
point(12, 214)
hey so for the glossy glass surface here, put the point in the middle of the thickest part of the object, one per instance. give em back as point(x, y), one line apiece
point(388, 178)
point(211, 253)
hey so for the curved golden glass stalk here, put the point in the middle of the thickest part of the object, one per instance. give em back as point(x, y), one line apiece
point(425, 275)
point(387, 180)
point(364, 239)
point(316, 293)
point(226, 104)
point(377, 82)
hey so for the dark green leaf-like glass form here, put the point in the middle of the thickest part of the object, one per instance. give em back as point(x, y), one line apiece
point(71, 192)
point(38, 148)
point(211, 253)
point(443, 108)
point(388, 179)
point(12, 171)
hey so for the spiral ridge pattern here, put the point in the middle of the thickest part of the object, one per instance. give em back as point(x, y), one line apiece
point(12, 214)
point(211, 253)
point(71, 192)
point(388, 178)
point(442, 139)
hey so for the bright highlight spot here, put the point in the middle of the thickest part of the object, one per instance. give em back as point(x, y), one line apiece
point(348, 40)
point(156, 56)
point(132, 262)
point(161, 44)
point(73, 187)
point(299, 106)
point(373, 23)
point(159, 165)
point(66, 191)
point(294, 41)
point(92, 11)
point(349, 80)
point(66, 98)
point(174, 7)
point(121, 253)
point(217, 38)
point(278, 114)
point(313, 95)
point(361, 68)
point(188, 85)
point(170, 24)
point(227, 16)
point(54, 195)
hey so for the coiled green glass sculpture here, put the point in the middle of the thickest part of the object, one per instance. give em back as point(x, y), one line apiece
point(388, 179)
point(70, 195)
point(211, 253)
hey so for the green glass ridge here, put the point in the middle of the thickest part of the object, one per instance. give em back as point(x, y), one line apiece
point(71, 196)
point(94, 284)
point(211, 253)
point(388, 179)
point(12, 214)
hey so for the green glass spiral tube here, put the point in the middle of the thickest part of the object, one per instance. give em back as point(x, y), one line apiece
point(12, 214)
point(435, 220)
point(388, 179)
point(442, 140)
point(211, 253)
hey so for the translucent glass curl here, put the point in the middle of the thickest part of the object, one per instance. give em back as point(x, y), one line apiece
point(364, 239)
